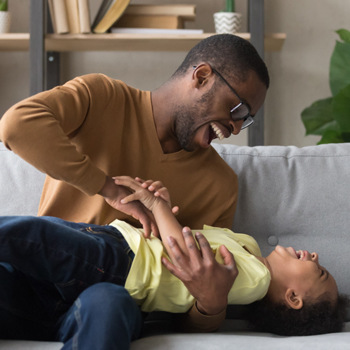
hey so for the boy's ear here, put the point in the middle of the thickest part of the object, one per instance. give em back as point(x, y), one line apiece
point(201, 74)
point(293, 300)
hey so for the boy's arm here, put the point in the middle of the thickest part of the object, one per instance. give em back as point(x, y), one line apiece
point(160, 206)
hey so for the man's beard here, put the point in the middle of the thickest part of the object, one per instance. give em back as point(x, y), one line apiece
point(186, 117)
point(184, 127)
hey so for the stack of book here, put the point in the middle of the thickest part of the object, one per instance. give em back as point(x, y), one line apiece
point(125, 18)
point(70, 16)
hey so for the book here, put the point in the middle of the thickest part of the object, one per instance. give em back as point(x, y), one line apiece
point(84, 16)
point(155, 31)
point(52, 15)
point(60, 16)
point(186, 11)
point(73, 16)
point(114, 11)
point(101, 12)
point(149, 21)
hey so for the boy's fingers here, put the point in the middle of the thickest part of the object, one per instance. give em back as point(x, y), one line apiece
point(147, 183)
point(227, 256)
point(132, 197)
point(175, 210)
point(155, 186)
point(138, 179)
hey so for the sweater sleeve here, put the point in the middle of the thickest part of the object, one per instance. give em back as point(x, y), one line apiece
point(39, 129)
point(195, 322)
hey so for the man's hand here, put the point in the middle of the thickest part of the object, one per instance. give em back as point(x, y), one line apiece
point(207, 280)
point(113, 194)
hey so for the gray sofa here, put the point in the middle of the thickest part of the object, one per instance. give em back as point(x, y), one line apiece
point(290, 196)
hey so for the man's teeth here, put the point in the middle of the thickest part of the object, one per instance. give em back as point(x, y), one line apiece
point(300, 254)
point(217, 131)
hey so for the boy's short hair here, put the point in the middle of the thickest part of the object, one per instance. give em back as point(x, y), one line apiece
point(315, 317)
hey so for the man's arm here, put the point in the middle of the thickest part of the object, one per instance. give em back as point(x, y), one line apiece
point(208, 281)
point(40, 128)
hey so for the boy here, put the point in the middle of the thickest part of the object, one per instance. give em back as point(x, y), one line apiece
point(57, 260)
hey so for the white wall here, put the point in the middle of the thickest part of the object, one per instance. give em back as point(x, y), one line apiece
point(299, 73)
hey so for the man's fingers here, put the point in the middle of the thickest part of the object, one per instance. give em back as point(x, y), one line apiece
point(191, 245)
point(127, 181)
point(204, 245)
point(172, 268)
point(178, 254)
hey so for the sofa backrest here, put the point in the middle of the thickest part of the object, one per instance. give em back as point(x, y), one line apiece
point(297, 197)
point(20, 185)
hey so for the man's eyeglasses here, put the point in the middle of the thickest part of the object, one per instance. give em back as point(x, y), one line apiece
point(239, 112)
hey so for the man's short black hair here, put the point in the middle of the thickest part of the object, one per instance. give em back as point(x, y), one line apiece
point(315, 317)
point(231, 55)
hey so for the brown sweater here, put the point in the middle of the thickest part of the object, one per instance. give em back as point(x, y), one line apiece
point(94, 125)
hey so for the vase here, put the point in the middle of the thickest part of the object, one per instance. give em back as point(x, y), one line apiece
point(227, 22)
point(5, 21)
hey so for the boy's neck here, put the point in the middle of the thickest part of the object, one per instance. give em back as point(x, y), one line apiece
point(265, 262)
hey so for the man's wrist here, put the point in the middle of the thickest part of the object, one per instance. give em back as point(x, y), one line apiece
point(210, 309)
point(108, 187)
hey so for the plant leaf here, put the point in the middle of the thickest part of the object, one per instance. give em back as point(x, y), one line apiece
point(331, 136)
point(3, 5)
point(346, 136)
point(339, 73)
point(318, 117)
point(344, 35)
point(341, 109)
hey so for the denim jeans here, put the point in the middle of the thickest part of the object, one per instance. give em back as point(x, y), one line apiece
point(64, 281)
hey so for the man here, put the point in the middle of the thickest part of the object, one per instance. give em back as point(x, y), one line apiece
point(93, 128)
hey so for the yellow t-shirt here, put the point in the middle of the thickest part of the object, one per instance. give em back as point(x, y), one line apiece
point(154, 288)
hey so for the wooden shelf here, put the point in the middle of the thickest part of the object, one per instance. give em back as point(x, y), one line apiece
point(123, 42)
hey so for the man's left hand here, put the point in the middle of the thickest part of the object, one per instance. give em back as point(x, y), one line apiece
point(207, 280)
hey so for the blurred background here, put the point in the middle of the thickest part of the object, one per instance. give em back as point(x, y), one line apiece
point(299, 72)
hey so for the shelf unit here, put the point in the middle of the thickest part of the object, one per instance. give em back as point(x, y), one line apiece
point(45, 48)
point(122, 42)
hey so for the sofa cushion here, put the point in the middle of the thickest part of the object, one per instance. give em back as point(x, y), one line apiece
point(296, 197)
point(20, 185)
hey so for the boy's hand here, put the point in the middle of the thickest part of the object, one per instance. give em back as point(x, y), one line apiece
point(113, 195)
point(148, 197)
point(147, 192)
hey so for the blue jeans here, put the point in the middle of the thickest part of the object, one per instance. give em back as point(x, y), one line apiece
point(64, 281)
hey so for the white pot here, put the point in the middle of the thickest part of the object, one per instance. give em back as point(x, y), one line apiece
point(5, 21)
point(227, 22)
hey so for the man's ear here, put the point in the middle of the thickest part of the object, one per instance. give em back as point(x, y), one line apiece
point(201, 74)
point(295, 301)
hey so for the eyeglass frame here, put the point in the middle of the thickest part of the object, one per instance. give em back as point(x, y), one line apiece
point(247, 118)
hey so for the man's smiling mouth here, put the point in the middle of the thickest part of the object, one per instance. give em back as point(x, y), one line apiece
point(217, 131)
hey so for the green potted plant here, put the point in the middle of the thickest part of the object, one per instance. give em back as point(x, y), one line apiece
point(5, 17)
point(228, 21)
point(330, 117)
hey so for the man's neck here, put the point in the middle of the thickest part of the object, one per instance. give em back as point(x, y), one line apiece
point(163, 102)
